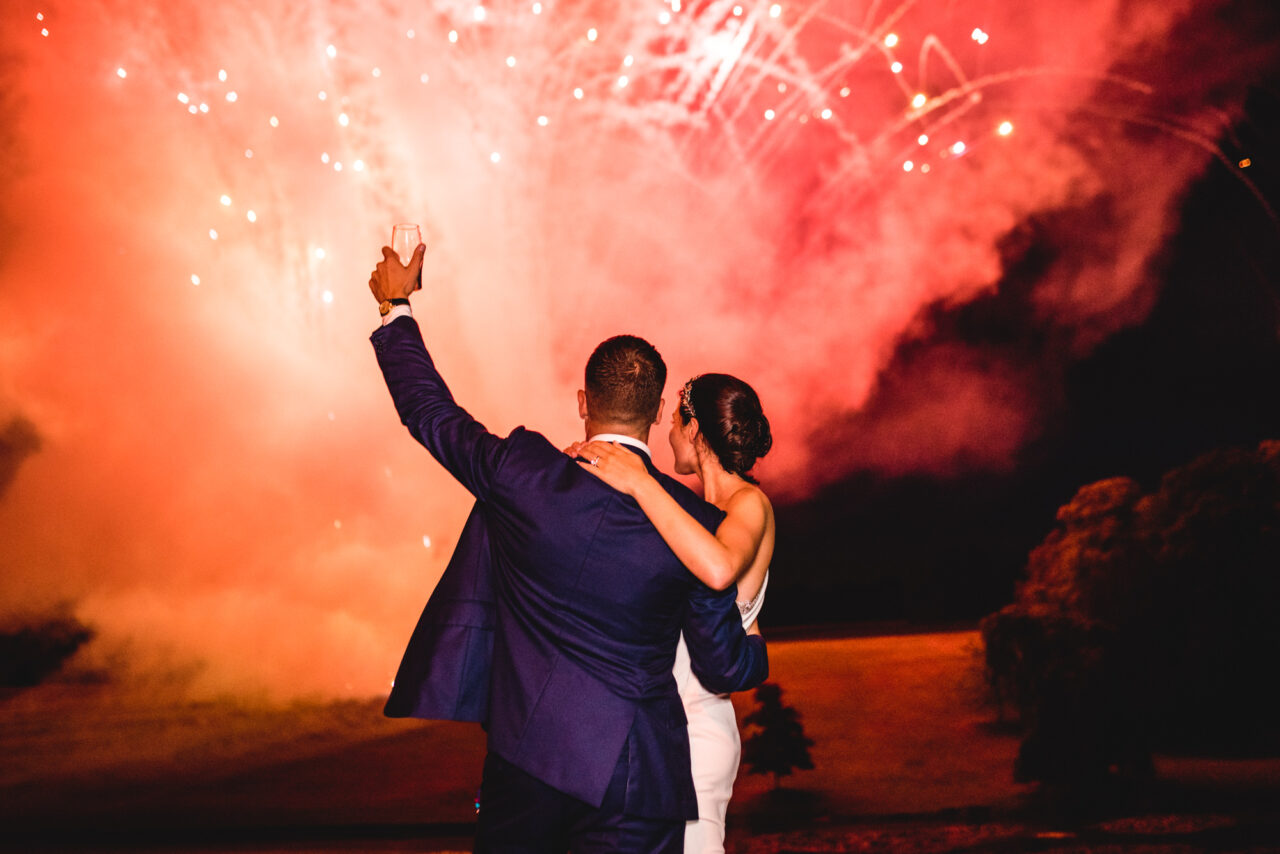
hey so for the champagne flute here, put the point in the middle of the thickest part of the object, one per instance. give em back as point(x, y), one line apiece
point(405, 237)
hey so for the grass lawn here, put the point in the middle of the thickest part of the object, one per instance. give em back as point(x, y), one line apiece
point(906, 758)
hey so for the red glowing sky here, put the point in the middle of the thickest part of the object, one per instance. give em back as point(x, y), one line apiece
point(195, 194)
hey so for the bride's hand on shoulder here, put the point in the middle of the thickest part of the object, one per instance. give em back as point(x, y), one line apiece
point(616, 466)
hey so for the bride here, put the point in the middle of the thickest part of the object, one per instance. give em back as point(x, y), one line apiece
point(718, 431)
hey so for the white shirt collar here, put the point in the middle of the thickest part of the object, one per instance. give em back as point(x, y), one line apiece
point(622, 440)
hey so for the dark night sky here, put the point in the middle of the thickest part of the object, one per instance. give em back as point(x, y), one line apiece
point(1203, 371)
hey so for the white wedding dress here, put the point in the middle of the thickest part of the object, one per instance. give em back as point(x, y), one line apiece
point(714, 744)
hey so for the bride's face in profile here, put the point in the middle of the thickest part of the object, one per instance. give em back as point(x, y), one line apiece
point(682, 438)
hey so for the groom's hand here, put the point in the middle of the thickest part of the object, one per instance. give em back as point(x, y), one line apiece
point(393, 280)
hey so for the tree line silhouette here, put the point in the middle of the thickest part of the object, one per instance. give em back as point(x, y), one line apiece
point(1147, 621)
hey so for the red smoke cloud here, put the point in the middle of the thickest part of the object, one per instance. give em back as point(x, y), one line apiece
point(221, 479)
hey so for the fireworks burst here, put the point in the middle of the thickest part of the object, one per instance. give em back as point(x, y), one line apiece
point(776, 190)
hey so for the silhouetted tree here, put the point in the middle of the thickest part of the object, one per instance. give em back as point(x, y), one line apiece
point(1142, 616)
point(779, 744)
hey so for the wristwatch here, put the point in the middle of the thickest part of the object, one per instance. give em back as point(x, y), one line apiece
point(384, 307)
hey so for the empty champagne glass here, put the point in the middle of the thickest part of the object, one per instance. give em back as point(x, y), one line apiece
point(405, 237)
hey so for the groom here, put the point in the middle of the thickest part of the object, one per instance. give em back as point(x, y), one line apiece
point(556, 621)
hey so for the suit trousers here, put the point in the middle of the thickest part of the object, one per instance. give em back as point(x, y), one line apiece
point(520, 814)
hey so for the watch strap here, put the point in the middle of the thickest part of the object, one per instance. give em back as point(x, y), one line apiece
point(384, 307)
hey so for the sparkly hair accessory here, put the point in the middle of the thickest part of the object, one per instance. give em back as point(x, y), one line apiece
point(686, 397)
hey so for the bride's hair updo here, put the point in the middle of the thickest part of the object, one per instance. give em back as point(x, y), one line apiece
point(730, 419)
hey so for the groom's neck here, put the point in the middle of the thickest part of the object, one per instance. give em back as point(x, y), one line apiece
point(595, 428)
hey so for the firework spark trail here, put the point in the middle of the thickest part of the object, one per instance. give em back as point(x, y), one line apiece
point(771, 193)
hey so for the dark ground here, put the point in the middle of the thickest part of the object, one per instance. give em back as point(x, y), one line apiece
point(907, 759)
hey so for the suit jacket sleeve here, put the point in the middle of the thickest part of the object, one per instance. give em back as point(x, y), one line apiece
point(461, 444)
point(723, 656)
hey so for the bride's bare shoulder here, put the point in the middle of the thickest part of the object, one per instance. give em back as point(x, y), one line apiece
point(749, 499)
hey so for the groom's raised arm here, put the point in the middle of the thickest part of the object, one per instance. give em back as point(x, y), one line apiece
point(462, 445)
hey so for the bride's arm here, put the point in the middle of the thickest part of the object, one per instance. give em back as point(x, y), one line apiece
point(720, 560)
point(717, 560)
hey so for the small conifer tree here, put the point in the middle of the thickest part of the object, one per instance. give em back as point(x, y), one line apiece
point(778, 746)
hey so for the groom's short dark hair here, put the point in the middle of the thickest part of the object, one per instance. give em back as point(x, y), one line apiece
point(624, 382)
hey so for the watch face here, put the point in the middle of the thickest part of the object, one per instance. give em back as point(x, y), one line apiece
point(384, 307)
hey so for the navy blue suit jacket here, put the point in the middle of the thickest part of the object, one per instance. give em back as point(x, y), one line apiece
point(557, 619)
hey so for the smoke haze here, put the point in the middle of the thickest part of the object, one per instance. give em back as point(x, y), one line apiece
point(197, 450)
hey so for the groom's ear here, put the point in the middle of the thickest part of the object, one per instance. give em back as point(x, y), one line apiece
point(662, 402)
point(582, 404)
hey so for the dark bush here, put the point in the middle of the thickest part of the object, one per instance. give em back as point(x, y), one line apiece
point(29, 653)
point(1072, 695)
point(1148, 619)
